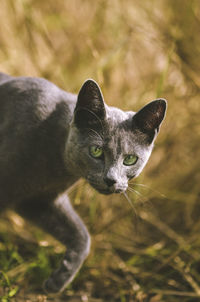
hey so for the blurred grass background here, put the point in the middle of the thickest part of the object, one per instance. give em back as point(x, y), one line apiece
point(137, 51)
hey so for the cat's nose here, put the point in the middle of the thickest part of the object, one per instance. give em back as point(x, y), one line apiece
point(109, 181)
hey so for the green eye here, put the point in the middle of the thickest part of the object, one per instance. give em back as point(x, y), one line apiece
point(96, 151)
point(130, 160)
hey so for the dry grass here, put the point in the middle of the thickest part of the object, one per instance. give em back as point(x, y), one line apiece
point(137, 51)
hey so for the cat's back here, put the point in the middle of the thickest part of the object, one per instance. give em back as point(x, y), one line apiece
point(36, 97)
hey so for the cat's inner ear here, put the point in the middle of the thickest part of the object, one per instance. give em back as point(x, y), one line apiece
point(149, 118)
point(90, 110)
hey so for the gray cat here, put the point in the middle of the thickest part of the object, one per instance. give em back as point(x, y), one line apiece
point(49, 139)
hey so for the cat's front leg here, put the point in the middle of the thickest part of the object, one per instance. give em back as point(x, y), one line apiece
point(72, 232)
point(59, 219)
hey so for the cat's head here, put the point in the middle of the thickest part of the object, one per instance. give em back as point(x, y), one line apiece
point(108, 146)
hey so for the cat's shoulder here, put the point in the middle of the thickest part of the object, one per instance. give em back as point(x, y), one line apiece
point(32, 85)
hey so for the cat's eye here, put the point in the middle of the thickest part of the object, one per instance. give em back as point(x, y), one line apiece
point(130, 160)
point(96, 151)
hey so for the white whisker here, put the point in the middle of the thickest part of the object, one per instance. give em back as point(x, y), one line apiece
point(142, 199)
point(130, 202)
point(147, 187)
point(134, 210)
point(134, 191)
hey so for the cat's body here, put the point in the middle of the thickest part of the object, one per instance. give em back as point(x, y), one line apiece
point(50, 138)
point(31, 137)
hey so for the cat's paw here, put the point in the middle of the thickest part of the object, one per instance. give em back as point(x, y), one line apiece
point(58, 281)
point(62, 277)
point(50, 287)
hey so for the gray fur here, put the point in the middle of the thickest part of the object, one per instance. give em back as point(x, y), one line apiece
point(45, 135)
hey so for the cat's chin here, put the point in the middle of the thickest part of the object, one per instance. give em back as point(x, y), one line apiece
point(108, 192)
point(104, 192)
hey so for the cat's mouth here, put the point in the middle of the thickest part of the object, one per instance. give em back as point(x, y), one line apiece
point(104, 191)
point(107, 191)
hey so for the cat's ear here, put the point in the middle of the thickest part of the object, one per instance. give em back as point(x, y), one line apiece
point(90, 110)
point(149, 118)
